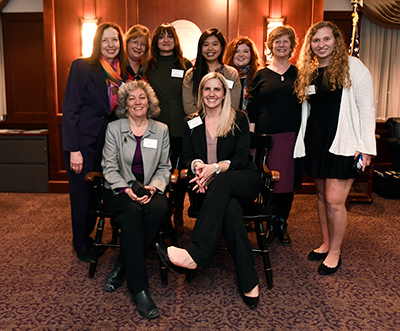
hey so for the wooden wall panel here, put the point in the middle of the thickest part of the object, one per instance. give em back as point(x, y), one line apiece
point(24, 70)
point(232, 17)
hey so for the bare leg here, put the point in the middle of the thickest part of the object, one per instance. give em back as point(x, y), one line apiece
point(336, 192)
point(323, 221)
point(181, 257)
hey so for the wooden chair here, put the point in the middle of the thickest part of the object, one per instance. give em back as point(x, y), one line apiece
point(257, 213)
point(100, 212)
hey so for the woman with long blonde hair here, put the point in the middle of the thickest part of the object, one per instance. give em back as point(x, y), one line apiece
point(216, 147)
point(337, 131)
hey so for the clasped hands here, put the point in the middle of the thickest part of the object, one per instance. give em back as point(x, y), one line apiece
point(144, 199)
point(204, 174)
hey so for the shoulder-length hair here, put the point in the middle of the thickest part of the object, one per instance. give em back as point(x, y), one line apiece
point(279, 32)
point(226, 122)
point(137, 31)
point(200, 68)
point(165, 28)
point(94, 59)
point(255, 60)
point(336, 74)
point(132, 85)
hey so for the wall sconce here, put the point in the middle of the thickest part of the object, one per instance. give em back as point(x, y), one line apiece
point(270, 24)
point(88, 30)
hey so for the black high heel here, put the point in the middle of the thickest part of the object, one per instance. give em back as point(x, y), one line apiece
point(116, 277)
point(251, 302)
point(162, 252)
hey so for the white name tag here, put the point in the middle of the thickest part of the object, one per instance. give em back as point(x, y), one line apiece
point(195, 122)
point(311, 90)
point(150, 143)
point(230, 83)
point(178, 73)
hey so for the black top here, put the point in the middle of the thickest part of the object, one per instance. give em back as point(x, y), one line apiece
point(320, 133)
point(273, 106)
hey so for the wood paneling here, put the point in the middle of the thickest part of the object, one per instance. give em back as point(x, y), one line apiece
point(232, 17)
point(24, 63)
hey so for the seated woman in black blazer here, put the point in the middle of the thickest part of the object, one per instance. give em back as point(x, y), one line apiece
point(216, 147)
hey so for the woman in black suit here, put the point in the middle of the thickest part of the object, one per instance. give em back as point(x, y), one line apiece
point(90, 98)
point(216, 147)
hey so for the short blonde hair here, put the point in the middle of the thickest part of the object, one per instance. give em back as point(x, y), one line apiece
point(279, 32)
point(128, 87)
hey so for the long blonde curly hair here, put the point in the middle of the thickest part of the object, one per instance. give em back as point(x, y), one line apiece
point(336, 74)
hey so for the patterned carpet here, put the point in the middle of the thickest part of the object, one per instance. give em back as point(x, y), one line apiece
point(44, 287)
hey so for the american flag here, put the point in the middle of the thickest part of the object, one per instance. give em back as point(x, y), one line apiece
point(356, 46)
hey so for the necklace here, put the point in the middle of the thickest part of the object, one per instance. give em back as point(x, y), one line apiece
point(282, 78)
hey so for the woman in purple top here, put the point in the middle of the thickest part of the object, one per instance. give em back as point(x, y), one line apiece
point(136, 149)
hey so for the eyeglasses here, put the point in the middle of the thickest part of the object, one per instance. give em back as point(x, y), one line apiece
point(134, 42)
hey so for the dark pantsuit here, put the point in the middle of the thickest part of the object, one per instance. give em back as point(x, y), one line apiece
point(221, 213)
point(81, 192)
point(139, 227)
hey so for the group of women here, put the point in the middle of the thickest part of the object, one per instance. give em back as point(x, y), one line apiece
point(320, 114)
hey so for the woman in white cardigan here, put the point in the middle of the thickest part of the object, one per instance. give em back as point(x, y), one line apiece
point(338, 126)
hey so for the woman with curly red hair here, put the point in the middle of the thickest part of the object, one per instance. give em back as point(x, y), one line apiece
point(337, 127)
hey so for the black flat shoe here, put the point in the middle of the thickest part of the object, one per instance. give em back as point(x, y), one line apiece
point(315, 256)
point(162, 252)
point(283, 234)
point(116, 277)
point(251, 302)
point(145, 304)
point(325, 270)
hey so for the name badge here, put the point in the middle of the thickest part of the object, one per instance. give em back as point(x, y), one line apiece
point(177, 73)
point(195, 122)
point(230, 83)
point(150, 143)
point(311, 90)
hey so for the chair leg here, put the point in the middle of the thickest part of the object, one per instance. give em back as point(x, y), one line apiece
point(163, 268)
point(96, 247)
point(263, 246)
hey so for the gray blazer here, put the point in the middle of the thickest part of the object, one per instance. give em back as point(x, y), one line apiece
point(120, 146)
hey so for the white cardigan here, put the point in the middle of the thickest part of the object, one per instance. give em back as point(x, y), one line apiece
point(356, 124)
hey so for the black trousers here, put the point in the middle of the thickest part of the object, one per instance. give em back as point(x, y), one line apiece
point(221, 212)
point(81, 192)
point(139, 227)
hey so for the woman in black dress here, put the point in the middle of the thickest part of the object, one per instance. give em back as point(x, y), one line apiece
point(274, 109)
point(338, 125)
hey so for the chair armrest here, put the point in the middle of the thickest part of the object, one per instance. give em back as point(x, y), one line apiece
point(184, 174)
point(90, 176)
point(275, 175)
point(174, 177)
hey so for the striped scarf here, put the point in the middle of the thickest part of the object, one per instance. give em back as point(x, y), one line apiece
point(113, 79)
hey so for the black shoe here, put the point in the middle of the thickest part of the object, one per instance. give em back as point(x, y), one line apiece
point(162, 252)
point(283, 234)
point(325, 270)
point(145, 304)
point(251, 302)
point(84, 256)
point(315, 256)
point(116, 277)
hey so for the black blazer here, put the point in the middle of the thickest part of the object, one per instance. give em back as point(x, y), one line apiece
point(86, 106)
point(234, 147)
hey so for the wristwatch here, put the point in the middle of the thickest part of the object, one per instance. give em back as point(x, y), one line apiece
point(217, 168)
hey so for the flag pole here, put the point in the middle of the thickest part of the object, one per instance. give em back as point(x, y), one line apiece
point(355, 4)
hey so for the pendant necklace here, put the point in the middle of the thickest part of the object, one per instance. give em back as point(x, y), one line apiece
point(282, 78)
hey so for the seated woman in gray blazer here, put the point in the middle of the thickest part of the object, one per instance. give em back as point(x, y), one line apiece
point(136, 150)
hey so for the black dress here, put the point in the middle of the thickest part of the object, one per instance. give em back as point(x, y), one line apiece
point(320, 133)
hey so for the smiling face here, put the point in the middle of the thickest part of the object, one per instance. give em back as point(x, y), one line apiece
point(110, 44)
point(281, 47)
point(213, 94)
point(137, 104)
point(166, 43)
point(242, 56)
point(322, 45)
point(211, 49)
point(136, 48)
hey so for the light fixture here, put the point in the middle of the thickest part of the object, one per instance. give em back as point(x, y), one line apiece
point(270, 23)
point(88, 30)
